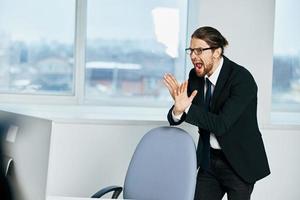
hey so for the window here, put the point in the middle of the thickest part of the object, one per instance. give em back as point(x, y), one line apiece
point(286, 60)
point(36, 47)
point(118, 52)
point(131, 45)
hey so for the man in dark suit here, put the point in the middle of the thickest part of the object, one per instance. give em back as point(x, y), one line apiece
point(220, 98)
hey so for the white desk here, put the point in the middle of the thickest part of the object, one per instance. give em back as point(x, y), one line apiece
point(68, 198)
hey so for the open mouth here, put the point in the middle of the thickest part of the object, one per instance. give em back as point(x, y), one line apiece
point(198, 65)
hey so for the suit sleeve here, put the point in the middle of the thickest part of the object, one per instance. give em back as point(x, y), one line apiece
point(171, 120)
point(243, 92)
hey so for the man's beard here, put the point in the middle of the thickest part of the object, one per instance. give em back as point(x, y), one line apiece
point(205, 70)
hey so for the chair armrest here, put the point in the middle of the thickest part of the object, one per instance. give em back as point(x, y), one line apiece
point(117, 190)
point(8, 164)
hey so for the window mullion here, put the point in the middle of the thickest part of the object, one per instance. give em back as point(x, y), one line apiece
point(80, 35)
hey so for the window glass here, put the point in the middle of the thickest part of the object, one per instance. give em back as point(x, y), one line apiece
point(131, 45)
point(36, 46)
point(286, 60)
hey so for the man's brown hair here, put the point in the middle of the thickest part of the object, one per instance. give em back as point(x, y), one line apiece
point(211, 36)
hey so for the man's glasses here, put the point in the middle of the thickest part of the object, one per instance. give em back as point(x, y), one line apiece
point(197, 51)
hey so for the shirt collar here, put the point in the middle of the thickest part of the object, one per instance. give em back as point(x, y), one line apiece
point(214, 77)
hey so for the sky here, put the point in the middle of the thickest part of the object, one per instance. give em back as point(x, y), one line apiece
point(287, 27)
point(35, 20)
point(31, 18)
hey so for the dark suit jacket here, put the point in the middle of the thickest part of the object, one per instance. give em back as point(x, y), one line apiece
point(232, 118)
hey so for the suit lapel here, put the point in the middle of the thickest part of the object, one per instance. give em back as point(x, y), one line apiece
point(200, 93)
point(197, 83)
point(223, 76)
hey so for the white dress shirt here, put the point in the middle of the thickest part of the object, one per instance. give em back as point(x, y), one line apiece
point(213, 79)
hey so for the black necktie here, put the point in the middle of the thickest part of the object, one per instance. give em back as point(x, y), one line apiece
point(207, 94)
point(205, 161)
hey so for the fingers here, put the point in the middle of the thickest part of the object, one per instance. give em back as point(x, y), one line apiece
point(171, 80)
point(172, 84)
point(167, 85)
point(185, 86)
point(174, 81)
point(182, 88)
point(174, 87)
point(194, 93)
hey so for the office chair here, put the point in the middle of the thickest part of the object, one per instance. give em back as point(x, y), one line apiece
point(163, 167)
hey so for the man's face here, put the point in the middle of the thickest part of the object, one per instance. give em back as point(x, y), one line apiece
point(204, 62)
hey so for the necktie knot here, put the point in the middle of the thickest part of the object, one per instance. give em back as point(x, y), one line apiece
point(207, 81)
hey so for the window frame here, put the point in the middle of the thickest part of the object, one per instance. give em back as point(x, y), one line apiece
point(262, 71)
point(78, 97)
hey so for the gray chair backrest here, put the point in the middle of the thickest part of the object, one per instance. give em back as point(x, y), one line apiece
point(163, 166)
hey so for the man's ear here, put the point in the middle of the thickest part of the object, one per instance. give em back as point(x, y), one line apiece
point(217, 53)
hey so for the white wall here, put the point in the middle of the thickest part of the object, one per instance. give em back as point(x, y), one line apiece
point(90, 156)
point(249, 28)
point(283, 153)
point(87, 156)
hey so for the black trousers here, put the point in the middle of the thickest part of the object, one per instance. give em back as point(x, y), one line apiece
point(221, 179)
